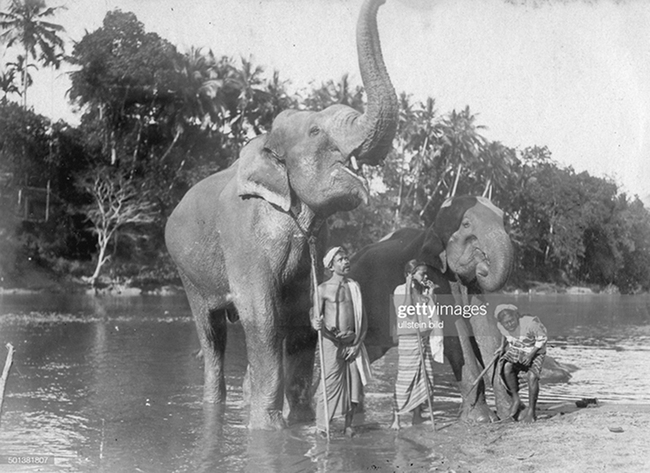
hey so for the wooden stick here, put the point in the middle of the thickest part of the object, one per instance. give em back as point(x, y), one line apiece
point(480, 376)
point(424, 372)
point(5, 373)
point(316, 313)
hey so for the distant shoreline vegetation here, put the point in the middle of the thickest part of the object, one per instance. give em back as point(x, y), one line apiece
point(89, 203)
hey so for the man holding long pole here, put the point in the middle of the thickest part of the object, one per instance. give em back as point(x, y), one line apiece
point(346, 367)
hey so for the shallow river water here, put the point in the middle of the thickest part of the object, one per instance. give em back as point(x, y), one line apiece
point(113, 384)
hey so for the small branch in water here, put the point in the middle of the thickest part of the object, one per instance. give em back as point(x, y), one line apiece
point(5, 373)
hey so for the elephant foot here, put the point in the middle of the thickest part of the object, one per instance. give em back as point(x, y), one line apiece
point(479, 413)
point(266, 420)
point(301, 413)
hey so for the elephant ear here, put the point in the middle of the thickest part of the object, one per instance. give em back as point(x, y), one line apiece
point(433, 251)
point(262, 173)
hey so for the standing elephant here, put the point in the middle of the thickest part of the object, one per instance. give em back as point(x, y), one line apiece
point(472, 252)
point(240, 237)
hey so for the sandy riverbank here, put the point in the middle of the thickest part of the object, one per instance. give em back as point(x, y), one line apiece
point(611, 438)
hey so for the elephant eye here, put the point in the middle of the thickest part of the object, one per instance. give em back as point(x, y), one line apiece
point(314, 130)
point(466, 223)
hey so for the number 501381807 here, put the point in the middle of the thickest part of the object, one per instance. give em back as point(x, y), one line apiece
point(26, 459)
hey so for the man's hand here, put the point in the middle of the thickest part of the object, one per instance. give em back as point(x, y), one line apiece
point(317, 323)
point(352, 352)
point(528, 359)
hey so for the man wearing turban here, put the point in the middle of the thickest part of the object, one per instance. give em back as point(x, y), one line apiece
point(344, 326)
point(523, 351)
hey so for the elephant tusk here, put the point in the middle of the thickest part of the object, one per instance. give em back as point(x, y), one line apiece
point(354, 164)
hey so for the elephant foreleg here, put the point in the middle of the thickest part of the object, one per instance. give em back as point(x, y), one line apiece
point(299, 352)
point(488, 338)
point(474, 407)
point(264, 344)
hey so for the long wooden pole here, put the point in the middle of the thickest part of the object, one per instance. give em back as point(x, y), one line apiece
point(478, 378)
point(5, 373)
point(424, 373)
point(316, 313)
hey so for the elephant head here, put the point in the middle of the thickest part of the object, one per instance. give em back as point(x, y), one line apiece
point(468, 238)
point(314, 157)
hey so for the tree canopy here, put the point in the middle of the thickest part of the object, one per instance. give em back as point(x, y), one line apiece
point(156, 120)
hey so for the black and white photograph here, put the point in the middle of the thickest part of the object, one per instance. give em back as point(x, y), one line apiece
point(325, 236)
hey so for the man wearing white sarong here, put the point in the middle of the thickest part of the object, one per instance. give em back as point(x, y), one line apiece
point(347, 367)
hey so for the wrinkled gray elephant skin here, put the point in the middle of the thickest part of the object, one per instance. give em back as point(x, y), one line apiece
point(239, 237)
point(472, 253)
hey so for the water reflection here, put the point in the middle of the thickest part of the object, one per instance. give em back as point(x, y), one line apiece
point(112, 384)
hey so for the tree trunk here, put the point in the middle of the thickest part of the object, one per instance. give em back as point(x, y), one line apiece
point(101, 258)
point(452, 193)
point(25, 63)
point(176, 137)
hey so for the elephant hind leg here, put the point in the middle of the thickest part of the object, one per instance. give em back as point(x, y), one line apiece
point(212, 331)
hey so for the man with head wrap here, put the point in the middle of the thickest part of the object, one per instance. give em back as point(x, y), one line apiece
point(343, 322)
point(523, 351)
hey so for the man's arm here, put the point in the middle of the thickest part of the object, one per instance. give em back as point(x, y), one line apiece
point(317, 319)
point(541, 338)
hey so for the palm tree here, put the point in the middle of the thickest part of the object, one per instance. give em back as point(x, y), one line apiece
point(21, 67)
point(463, 143)
point(25, 25)
point(8, 83)
point(494, 165)
point(193, 95)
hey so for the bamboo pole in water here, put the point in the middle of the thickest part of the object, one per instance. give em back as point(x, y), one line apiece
point(5, 374)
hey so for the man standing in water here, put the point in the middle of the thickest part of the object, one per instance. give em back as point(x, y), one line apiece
point(523, 350)
point(342, 320)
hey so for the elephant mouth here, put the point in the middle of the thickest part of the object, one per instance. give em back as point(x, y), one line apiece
point(483, 263)
point(353, 168)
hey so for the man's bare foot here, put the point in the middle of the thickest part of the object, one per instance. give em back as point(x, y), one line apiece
point(349, 432)
point(396, 425)
point(515, 408)
point(528, 416)
point(417, 418)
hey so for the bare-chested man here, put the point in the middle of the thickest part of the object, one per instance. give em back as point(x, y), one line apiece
point(347, 368)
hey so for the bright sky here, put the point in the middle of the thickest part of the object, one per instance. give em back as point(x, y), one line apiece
point(570, 74)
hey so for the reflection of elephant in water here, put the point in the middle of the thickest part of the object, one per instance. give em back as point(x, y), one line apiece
point(239, 237)
point(471, 249)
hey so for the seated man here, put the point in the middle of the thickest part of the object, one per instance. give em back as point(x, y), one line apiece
point(523, 350)
point(347, 368)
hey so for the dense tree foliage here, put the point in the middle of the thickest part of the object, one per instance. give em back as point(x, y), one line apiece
point(156, 120)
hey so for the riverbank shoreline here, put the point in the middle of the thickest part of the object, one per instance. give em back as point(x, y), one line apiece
point(610, 437)
point(40, 282)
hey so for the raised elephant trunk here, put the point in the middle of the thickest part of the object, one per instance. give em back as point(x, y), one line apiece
point(372, 133)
